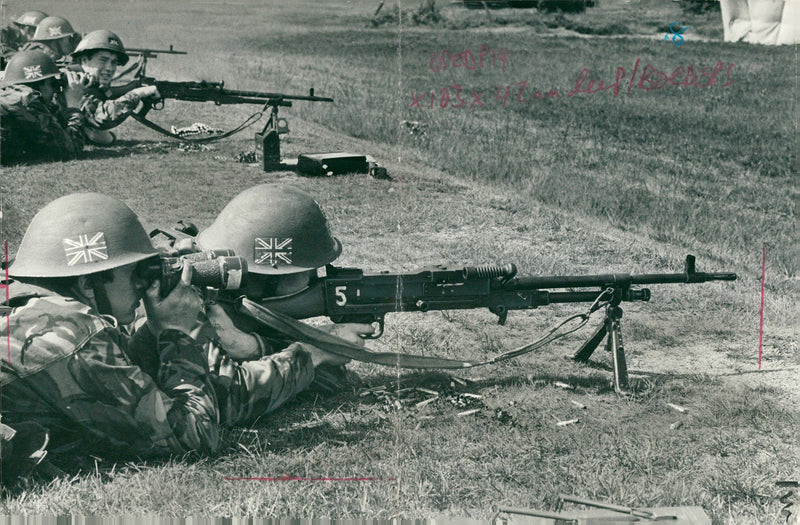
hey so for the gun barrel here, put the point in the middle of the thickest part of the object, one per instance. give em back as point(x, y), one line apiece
point(619, 279)
point(153, 52)
point(274, 96)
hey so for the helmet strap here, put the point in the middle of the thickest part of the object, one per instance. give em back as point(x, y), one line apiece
point(100, 295)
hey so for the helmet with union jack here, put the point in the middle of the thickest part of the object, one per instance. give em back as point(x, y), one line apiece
point(27, 67)
point(80, 234)
point(30, 18)
point(101, 40)
point(52, 28)
point(278, 229)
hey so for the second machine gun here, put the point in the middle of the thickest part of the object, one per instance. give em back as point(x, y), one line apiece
point(267, 140)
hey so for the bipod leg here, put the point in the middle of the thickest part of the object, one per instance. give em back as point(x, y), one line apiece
point(585, 351)
point(617, 349)
point(268, 142)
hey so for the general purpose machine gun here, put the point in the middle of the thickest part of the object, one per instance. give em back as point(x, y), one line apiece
point(267, 140)
point(350, 295)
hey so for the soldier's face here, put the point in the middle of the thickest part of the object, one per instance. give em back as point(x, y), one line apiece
point(102, 64)
point(48, 89)
point(62, 46)
point(28, 31)
point(124, 293)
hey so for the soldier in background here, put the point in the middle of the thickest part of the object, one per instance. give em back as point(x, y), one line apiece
point(17, 34)
point(55, 37)
point(99, 54)
point(40, 117)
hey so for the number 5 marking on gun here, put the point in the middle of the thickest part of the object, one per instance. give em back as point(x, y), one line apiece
point(341, 298)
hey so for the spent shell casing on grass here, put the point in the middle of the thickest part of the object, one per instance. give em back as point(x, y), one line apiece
point(559, 384)
point(577, 404)
point(427, 391)
point(677, 407)
point(468, 412)
point(568, 422)
point(676, 425)
point(473, 396)
point(427, 401)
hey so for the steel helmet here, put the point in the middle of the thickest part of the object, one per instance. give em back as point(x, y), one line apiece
point(30, 18)
point(101, 40)
point(52, 28)
point(277, 228)
point(80, 234)
point(29, 66)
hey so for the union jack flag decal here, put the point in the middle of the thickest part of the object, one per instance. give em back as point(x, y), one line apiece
point(32, 71)
point(272, 250)
point(87, 248)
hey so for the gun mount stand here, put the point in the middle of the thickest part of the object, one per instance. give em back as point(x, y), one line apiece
point(611, 329)
point(268, 141)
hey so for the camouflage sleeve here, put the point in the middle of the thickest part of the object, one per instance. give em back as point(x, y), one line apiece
point(38, 130)
point(107, 114)
point(173, 412)
point(251, 389)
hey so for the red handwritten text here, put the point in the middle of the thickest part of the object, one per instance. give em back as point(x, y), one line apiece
point(465, 59)
point(651, 79)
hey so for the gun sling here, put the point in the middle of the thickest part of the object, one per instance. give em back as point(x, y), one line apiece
point(249, 121)
point(298, 331)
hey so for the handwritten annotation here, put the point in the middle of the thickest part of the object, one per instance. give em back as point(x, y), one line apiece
point(649, 79)
point(465, 59)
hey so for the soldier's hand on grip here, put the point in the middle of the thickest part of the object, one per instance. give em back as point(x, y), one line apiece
point(147, 92)
point(237, 344)
point(350, 332)
point(179, 310)
point(76, 87)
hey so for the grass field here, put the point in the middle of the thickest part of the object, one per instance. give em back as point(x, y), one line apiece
point(589, 183)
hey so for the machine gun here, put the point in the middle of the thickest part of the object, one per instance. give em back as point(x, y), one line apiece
point(140, 66)
point(348, 295)
point(267, 140)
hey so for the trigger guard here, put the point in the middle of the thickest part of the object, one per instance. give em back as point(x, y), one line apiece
point(378, 325)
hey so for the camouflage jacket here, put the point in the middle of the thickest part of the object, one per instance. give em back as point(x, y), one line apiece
point(30, 130)
point(104, 112)
point(247, 390)
point(68, 370)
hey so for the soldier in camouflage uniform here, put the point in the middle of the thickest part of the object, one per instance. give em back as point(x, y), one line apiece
point(40, 116)
point(285, 237)
point(54, 37)
point(74, 284)
point(98, 54)
point(17, 34)
point(73, 369)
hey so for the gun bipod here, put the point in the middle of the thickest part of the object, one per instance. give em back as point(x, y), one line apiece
point(611, 330)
